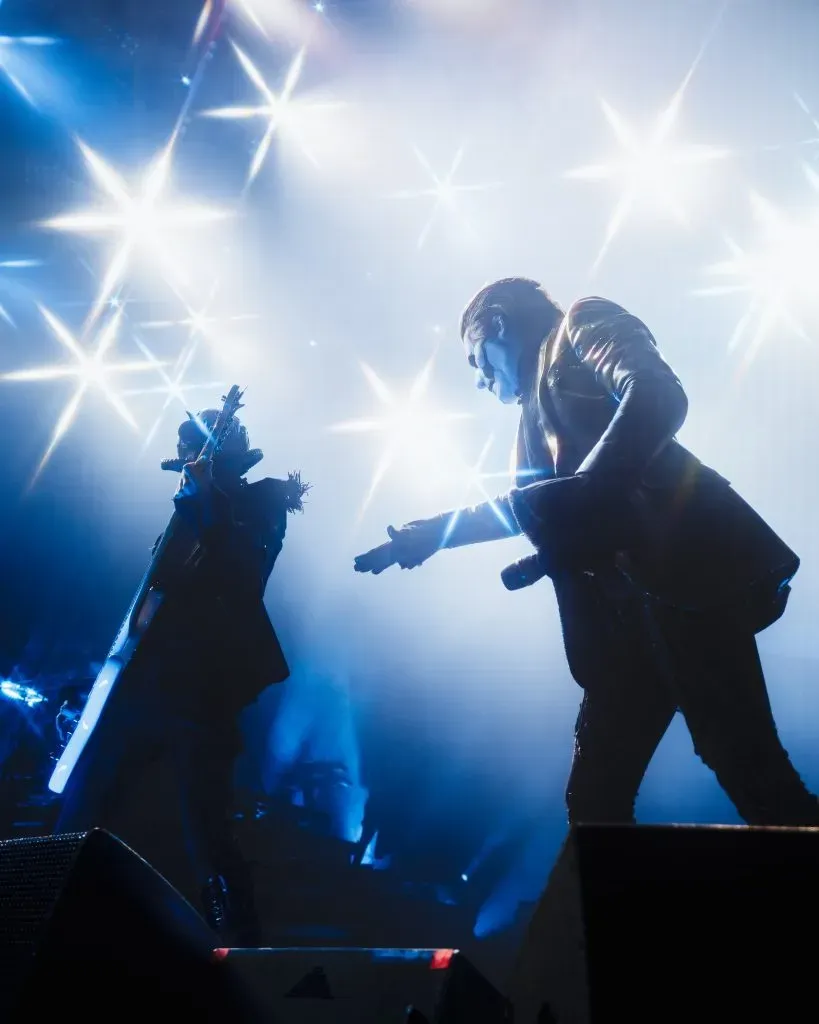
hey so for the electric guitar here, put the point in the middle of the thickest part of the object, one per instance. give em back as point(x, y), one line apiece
point(172, 551)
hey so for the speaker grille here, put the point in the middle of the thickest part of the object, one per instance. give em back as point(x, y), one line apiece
point(33, 872)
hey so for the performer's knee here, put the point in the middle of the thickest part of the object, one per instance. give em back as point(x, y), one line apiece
point(592, 803)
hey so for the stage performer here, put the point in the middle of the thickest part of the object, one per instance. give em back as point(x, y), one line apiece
point(166, 750)
point(663, 573)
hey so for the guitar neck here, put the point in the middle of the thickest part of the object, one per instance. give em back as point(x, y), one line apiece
point(173, 548)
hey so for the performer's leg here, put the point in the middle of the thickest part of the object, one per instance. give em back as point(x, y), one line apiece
point(627, 706)
point(226, 880)
point(616, 735)
point(722, 693)
point(109, 769)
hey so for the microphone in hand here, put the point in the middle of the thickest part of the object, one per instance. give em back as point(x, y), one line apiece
point(524, 572)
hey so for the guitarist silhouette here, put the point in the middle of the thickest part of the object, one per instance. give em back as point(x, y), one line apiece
point(156, 745)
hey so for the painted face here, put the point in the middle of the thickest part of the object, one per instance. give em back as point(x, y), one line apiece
point(495, 357)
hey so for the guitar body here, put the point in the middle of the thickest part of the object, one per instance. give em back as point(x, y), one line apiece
point(173, 550)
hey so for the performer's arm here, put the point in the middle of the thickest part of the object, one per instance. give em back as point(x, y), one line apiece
point(621, 352)
point(490, 520)
point(652, 405)
point(415, 542)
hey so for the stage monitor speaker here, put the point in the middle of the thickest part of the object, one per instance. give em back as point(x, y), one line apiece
point(670, 924)
point(88, 928)
point(366, 986)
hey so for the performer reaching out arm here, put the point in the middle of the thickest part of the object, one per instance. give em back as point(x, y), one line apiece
point(651, 407)
point(413, 543)
point(662, 573)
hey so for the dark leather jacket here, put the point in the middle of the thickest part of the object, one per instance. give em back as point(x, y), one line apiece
point(606, 408)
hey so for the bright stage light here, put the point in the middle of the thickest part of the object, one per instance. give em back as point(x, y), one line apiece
point(141, 220)
point(203, 21)
point(14, 265)
point(273, 108)
point(89, 369)
point(651, 169)
point(414, 432)
point(294, 21)
point(493, 16)
point(444, 190)
point(199, 322)
point(778, 274)
point(174, 386)
point(474, 481)
point(13, 60)
point(200, 326)
point(286, 115)
point(17, 691)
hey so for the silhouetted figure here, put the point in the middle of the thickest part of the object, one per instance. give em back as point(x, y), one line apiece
point(166, 746)
point(663, 574)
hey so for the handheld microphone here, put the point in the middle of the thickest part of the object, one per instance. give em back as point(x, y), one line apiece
point(524, 572)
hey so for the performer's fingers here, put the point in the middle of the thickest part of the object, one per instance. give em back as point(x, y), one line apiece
point(392, 533)
point(366, 562)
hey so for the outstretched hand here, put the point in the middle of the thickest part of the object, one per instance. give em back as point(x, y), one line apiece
point(376, 560)
point(408, 547)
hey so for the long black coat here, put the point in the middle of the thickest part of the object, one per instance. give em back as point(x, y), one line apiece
point(212, 648)
point(604, 413)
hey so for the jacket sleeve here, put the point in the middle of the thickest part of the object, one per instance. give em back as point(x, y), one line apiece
point(623, 355)
point(490, 520)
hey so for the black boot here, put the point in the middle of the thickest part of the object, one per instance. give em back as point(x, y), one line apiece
point(216, 903)
point(230, 912)
point(243, 922)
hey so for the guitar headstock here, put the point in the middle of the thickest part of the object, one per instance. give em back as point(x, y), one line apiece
point(231, 404)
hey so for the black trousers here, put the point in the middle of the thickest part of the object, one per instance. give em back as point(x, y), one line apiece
point(162, 782)
point(638, 662)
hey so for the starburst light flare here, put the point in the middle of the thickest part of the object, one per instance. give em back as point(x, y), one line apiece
point(203, 21)
point(443, 190)
point(174, 386)
point(198, 322)
point(14, 265)
point(248, 10)
point(140, 219)
point(296, 22)
point(201, 326)
point(474, 480)
point(10, 59)
point(648, 170)
point(778, 275)
point(90, 369)
point(274, 107)
point(413, 431)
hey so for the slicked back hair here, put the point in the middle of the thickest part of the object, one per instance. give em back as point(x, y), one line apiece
point(525, 304)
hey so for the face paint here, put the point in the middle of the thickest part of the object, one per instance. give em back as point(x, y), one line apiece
point(495, 356)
